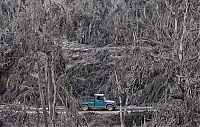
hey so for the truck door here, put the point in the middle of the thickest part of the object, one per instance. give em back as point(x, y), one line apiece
point(99, 102)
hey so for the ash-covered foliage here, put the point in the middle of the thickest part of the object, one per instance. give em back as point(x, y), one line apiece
point(143, 50)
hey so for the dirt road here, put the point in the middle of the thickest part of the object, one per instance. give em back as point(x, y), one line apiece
point(61, 109)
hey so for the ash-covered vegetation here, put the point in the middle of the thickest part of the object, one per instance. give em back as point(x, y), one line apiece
point(137, 52)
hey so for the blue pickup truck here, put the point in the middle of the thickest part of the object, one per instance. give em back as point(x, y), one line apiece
point(98, 101)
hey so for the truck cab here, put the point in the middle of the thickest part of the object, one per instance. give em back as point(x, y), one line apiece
point(98, 101)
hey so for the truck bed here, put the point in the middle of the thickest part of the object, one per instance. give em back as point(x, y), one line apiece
point(88, 100)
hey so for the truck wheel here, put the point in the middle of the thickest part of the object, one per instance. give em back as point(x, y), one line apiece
point(110, 107)
point(85, 107)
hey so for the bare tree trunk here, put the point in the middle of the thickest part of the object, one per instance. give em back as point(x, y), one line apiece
point(166, 95)
point(144, 122)
point(54, 87)
point(46, 84)
point(50, 84)
point(38, 113)
point(126, 103)
point(42, 98)
point(120, 99)
point(121, 115)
